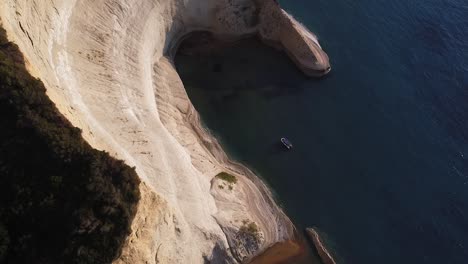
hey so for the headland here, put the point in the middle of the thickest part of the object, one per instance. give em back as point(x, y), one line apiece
point(107, 65)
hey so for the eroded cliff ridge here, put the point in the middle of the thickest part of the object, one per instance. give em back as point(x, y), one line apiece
point(107, 65)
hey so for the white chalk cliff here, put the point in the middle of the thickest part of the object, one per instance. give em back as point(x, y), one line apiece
point(107, 65)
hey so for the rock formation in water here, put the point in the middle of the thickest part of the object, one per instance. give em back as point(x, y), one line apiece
point(326, 257)
point(107, 65)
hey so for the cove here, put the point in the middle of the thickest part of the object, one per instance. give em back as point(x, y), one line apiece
point(380, 159)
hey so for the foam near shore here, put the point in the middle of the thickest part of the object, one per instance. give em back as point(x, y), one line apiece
point(107, 67)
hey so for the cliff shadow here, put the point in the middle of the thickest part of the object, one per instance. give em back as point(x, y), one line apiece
point(231, 68)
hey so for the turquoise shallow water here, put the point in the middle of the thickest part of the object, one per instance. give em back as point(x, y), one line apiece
point(380, 163)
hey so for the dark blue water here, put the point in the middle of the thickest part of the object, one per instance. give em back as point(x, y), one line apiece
point(380, 163)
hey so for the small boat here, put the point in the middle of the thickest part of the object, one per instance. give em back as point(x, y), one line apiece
point(286, 143)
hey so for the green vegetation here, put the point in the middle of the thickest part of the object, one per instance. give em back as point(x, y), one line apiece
point(250, 228)
point(227, 177)
point(249, 233)
point(61, 201)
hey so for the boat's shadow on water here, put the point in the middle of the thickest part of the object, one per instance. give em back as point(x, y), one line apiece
point(276, 148)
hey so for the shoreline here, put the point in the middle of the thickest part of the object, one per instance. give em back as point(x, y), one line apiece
point(262, 206)
point(212, 145)
point(214, 148)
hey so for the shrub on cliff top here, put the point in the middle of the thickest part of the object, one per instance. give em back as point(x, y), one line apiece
point(227, 177)
point(250, 228)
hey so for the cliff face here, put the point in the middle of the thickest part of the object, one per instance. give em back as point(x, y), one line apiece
point(106, 65)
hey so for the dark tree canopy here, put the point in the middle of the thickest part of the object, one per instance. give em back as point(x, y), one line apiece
point(61, 201)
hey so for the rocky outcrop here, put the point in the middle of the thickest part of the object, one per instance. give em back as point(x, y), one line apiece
point(326, 257)
point(107, 66)
point(279, 29)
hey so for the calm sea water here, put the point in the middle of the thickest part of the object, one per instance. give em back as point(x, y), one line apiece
point(380, 163)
